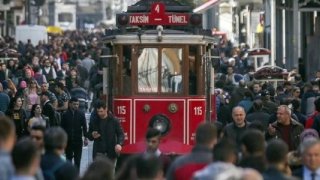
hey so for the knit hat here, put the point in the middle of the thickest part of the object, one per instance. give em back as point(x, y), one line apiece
point(309, 133)
point(23, 84)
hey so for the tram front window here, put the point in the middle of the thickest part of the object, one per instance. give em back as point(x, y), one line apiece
point(148, 70)
point(171, 78)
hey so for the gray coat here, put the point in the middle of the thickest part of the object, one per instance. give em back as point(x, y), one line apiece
point(6, 168)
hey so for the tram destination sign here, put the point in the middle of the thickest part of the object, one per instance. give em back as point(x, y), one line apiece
point(158, 16)
point(166, 19)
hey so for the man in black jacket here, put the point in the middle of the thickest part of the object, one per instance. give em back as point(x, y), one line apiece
point(106, 132)
point(73, 121)
point(48, 109)
point(238, 127)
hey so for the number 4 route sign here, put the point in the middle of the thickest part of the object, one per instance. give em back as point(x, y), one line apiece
point(158, 16)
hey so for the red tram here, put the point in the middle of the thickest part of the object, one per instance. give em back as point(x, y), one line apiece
point(159, 74)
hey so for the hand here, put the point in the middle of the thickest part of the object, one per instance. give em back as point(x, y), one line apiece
point(85, 142)
point(287, 170)
point(271, 130)
point(95, 134)
point(118, 148)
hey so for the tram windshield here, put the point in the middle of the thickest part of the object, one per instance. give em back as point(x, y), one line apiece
point(170, 62)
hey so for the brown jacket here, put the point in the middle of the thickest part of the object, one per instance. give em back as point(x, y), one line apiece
point(296, 130)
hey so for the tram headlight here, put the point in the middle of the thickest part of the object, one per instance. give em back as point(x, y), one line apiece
point(122, 19)
point(160, 122)
point(196, 19)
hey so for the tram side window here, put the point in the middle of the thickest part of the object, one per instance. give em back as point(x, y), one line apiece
point(126, 70)
point(148, 70)
point(192, 71)
point(171, 68)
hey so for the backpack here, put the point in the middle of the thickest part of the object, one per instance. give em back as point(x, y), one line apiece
point(48, 174)
point(310, 120)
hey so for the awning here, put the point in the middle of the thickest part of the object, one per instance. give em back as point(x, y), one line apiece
point(205, 6)
point(309, 6)
point(54, 30)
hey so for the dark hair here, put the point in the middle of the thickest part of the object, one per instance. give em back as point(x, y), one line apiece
point(127, 168)
point(45, 94)
point(253, 140)
point(100, 104)
point(205, 133)
point(39, 127)
point(297, 77)
point(248, 94)
point(224, 149)
point(219, 127)
point(276, 151)
point(295, 104)
point(33, 108)
point(317, 104)
point(101, 168)
point(6, 128)
point(257, 125)
point(36, 68)
point(148, 166)
point(257, 105)
point(13, 102)
point(59, 85)
point(23, 153)
point(74, 99)
point(152, 132)
point(55, 138)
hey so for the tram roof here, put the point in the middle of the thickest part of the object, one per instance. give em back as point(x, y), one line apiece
point(168, 36)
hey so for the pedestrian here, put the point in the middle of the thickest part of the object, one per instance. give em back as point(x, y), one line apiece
point(52, 165)
point(153, 140)
point(52, 96)
point(4, 100)
point(48, 110)
point(149, 166)
point(310, 152)
point(18, 115)
point(62, 97)
point(253, 150)
point(73, 121)
point(37, 135)
point(100, 169)
point(276, 155)
point(7, 140)
point(37, 118)
point(224, 159)
point(107, 134)
point(285, 128)
point(26, 159)
point(184, 166)
point(238, 127)
point(258, 114)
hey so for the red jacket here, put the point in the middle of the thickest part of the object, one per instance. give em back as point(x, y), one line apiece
point(185, 166)
point(310, 120)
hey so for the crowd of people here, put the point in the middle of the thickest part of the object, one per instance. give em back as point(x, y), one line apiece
point(261, 132)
